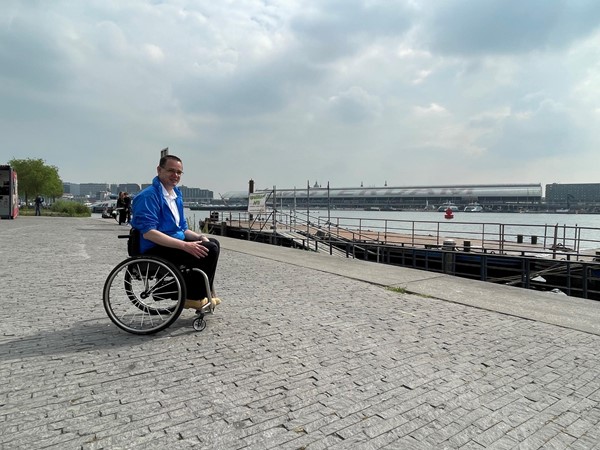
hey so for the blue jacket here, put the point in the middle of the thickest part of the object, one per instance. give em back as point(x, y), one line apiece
point(150, 211)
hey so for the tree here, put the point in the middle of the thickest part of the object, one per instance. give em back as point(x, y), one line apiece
point(54, 185)
point(37, 178)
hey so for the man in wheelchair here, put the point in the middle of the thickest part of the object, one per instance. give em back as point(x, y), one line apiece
point(158, 215)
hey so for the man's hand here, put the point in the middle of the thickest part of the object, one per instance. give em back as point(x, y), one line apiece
point(195, 248)
point(193, 245)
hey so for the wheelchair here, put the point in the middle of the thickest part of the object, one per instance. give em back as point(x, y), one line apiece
point(146, 294)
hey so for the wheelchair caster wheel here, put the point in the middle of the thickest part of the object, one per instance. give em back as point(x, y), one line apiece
point(199, 324)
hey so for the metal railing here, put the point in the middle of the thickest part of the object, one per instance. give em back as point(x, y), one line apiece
point(543, 257)
point(498, 237)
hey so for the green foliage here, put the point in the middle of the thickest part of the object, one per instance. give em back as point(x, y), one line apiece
point(37, 178)
point(70, 208)
point(54, 185)
point(399, 290)
point(191, 221)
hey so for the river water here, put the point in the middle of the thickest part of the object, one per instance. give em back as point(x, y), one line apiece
point(582, 220)
point(581, 231)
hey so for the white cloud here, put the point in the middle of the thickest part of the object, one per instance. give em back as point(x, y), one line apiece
point(154, 53)
point(355, 105)
point(285, 91)
point(432, 109)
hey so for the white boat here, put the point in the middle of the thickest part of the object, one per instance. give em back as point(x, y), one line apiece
point(473, 207)
point(447, 205)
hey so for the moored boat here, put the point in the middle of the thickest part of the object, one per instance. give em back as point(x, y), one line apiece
point(473, 207)
point(446, 206)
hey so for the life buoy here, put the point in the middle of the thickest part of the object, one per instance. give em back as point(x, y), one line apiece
point(449, 214)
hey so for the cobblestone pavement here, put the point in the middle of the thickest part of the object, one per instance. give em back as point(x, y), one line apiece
point(294, 358)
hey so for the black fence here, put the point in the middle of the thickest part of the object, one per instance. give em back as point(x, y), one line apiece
point(561, 268)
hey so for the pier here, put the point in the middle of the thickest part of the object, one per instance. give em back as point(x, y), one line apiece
point(542, 257)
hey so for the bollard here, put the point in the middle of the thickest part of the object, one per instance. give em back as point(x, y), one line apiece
point(448, 263)
point(533, 240)
point(449, 244)
point(467, 246)
point(519, 238)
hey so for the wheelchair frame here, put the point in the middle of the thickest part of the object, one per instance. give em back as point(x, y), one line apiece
point(146, 294)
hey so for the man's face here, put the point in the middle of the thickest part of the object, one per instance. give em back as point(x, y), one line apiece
point(170, 174)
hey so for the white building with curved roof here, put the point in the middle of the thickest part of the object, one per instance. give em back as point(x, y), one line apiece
point(491, 195)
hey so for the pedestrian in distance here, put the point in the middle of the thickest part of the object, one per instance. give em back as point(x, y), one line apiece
point(127, 202)
point(39, 200)
point(121, 208)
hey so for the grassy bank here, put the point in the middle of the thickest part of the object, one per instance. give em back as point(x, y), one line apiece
point(61, 208)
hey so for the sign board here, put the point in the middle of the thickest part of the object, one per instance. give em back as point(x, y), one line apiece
point(257, 202)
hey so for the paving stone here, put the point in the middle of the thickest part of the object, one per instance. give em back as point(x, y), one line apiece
point(298, 355)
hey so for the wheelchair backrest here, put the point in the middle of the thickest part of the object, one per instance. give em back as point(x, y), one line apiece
point(133, 243)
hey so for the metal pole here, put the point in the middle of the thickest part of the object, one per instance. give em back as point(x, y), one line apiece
point(307, 214)
point(329, 219)
point(250, 191)
point(328, 204)
point(274, 210)
point(554, 244)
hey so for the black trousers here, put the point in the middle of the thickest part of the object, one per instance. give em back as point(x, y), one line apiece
point(194, 282)
point(122, 215)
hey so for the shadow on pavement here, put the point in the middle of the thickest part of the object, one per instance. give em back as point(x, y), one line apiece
point(82, 336)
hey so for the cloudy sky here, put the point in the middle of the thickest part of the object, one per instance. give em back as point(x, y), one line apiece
point(350, 92)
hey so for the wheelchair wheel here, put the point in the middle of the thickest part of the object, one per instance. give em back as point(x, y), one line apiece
point(144, 295)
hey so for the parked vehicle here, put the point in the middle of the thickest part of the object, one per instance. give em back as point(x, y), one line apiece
point(105, 206)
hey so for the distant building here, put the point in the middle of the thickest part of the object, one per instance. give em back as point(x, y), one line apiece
point(569, 195)
point(71, 188)
point(100, 191)
point(196, 195)
point(191, 195)
point(492, 197)
point(131, 188)
point(92, 189)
